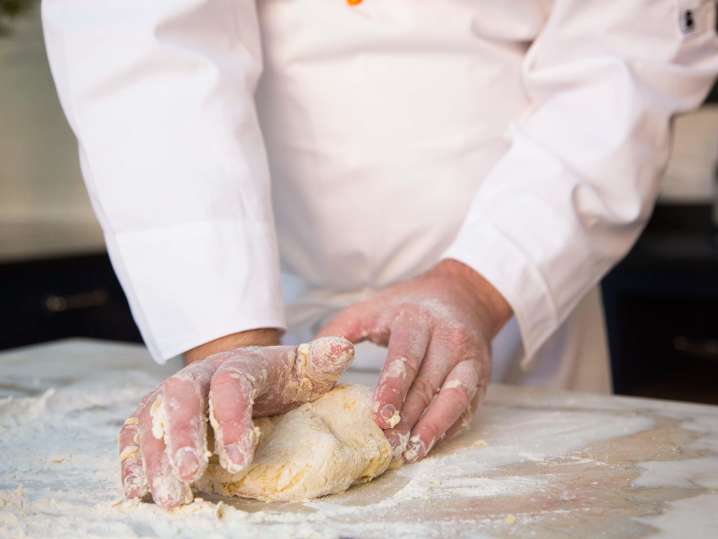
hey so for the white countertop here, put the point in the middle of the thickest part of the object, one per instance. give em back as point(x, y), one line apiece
point(535, 463)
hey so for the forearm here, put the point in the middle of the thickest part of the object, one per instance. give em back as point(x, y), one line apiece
point(155, 72)
point(252, 337)
point(574, 189)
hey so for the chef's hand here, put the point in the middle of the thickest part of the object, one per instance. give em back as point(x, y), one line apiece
point(163, 445)
point(438, 329)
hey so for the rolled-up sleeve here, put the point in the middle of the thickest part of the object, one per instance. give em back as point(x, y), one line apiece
point(579, 180)
point(160, 96)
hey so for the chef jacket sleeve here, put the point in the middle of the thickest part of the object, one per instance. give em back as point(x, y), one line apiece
point(160, 96)
point(579, 179)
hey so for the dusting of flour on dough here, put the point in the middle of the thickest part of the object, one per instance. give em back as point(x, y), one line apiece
point(320, 448)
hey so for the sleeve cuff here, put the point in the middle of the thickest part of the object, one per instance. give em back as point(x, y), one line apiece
point(483, 247)
point(192, 283)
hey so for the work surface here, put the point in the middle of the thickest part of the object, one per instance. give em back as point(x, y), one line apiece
point(534, 464)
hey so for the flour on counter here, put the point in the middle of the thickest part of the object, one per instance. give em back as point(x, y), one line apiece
point(524, 464)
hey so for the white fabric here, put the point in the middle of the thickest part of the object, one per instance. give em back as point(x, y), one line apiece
point(524, 139)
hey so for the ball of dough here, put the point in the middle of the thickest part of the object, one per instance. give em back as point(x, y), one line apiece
point(320, 448)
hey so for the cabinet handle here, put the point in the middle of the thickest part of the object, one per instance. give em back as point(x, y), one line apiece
point(704, 348)
point(72, 302)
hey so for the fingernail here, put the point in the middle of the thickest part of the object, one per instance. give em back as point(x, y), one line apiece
point(233, 452)
point(134, 484)
point(187, 463)
point(413, 449)
point(169, 492)
point(337, 351)
point(390, 415)
point(236, 455)
point(397, 441)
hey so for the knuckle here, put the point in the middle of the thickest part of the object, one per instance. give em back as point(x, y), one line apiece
point(459, 335)
point(416, 310)
point(389, 392)
point(424, 390)
point(397, 371)
point(412, 366)
point(467, 375)
point(461, 394)
point(408, 313)
point(228, 375)
point(378, 333)
point(174, 384)
point(430, 429)
point(411, 315)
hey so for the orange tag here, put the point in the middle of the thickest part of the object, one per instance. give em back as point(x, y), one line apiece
point(354, 2)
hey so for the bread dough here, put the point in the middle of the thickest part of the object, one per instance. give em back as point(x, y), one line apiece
point(320, 448)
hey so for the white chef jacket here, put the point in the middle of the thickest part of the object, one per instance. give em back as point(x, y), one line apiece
point(524, 139)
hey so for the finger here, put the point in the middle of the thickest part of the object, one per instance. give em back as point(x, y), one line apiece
point(410, 332)
point(268, 381)
point(319, 364)
point(231, 401)
point(398, 439)
point(467, 417)
point(452, 401)
point(167, 490)
point(464, 421)
point(436, 366)
point(134, 482)
point(355, 323)
point(184, 406)
point(301, 374)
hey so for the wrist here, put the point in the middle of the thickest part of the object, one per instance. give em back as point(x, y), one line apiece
point(493, 302)
point(252, 337)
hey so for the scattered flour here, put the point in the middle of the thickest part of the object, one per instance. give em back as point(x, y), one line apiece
point(59, 475)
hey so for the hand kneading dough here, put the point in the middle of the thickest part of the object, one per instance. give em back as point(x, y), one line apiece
point(320, 448)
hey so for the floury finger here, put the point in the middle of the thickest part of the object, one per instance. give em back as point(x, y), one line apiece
point(453, 400)
point(408, 341)
point(167, 490)
point(268, 381)
point(132, 473)
point(234, 388)
point(184, 410)
point(134, 484)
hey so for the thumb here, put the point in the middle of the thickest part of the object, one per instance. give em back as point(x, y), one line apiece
point(321, 362)
point(301, 374)
point(353, 323)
